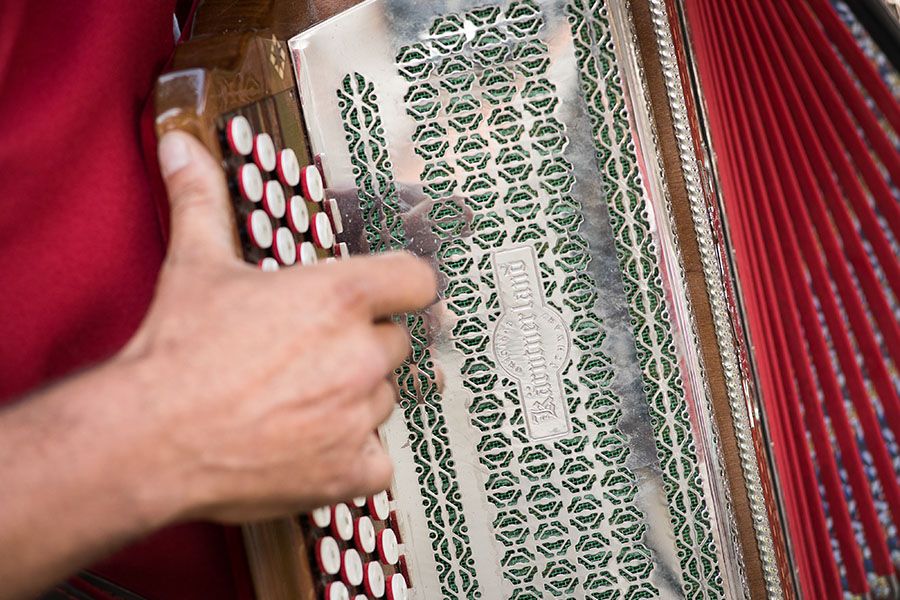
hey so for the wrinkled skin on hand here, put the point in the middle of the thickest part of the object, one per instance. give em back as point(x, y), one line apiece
point(266, 388)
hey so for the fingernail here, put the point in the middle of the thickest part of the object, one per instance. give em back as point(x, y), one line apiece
point(174, 153)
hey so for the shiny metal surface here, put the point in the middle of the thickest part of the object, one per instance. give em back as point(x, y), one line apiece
point(570, 452)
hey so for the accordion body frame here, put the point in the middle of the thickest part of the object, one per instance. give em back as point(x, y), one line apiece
point(259, 60)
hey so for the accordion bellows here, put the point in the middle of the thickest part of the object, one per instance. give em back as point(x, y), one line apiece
point(664, 363)
point(805, 126)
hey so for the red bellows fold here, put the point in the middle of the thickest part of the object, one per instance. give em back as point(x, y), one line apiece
point(808, 176)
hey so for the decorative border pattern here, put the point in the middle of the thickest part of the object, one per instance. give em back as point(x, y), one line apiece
point(494, 170)
point(717, 296)
point(420, 398)
point(601, 87)
point(388, 219)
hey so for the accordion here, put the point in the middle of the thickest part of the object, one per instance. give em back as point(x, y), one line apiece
point(665, 361)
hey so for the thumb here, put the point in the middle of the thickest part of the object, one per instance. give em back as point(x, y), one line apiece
point(201, 220)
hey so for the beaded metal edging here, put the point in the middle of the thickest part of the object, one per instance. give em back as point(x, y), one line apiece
point(716, 290)
point(658, 178)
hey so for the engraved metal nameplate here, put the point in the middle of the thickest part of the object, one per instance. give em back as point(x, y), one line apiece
point(531, 343)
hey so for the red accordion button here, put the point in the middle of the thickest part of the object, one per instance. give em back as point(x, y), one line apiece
point(298, 215)
point(364, 535)
point(336, 591)
point(264, 152)
point(328, 556)
point(379, 506)
point(288, 167)
point(273, 199)
point(388, 548)
point(321, 517)
point(351, 568)
point(373, 580)
point(307, 254)
point(322, 233)
point(311, 184)
point(342, 522)
point(250, 182)
point(240, 135)
point(259, 228)
point(397, 588)
point(268, 264)
point(285, 249)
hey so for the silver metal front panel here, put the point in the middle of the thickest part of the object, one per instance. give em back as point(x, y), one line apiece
point(552, 438)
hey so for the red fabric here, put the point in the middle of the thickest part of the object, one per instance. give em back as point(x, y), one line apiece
point(80, 236)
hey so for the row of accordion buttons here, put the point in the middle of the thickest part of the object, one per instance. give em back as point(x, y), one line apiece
point(275, 218)
point(356, 543)
point(354, 547)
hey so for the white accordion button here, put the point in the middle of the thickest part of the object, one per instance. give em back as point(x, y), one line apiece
point(388, 548)
point(323, 234)
point(379, 506)
point(264, 152)
point(364, 534)
point(285, 248)
point(288, 167)
point(328, 555)
point(240, 135)
point(321, 517)
point(361, 597)
point(351, 568)
point(373, 580)
point(298, 215)
point(396, 587)
point(359, 501)
point(342, 522)
point(250, 182)
point(273, 199)
point(336, 591)
point(268, 264)
point(334, 212)
point(307, 254)
point(259, 227)
point(342, 251)
point(311, 184)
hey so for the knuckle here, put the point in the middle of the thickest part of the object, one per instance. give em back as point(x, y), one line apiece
point(402, 333)
point(423, 275)
point(364, 366)
point(364, 421)
point(347, 295)
point(405, 344)
point(334, 487)
point(383, 472)
point(373, 359)
point(387, 393)
point(191, 186)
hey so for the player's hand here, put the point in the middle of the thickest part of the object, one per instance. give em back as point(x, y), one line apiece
point(266, 387)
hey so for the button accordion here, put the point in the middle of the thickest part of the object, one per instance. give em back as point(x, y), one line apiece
point(668, 335)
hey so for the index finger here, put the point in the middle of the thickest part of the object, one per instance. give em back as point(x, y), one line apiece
point(392, 283)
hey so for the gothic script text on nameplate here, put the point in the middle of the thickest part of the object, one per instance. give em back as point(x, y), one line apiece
point(531, 342)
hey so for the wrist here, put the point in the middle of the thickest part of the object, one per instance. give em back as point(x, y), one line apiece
point(82, 475)
point(144, 473)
